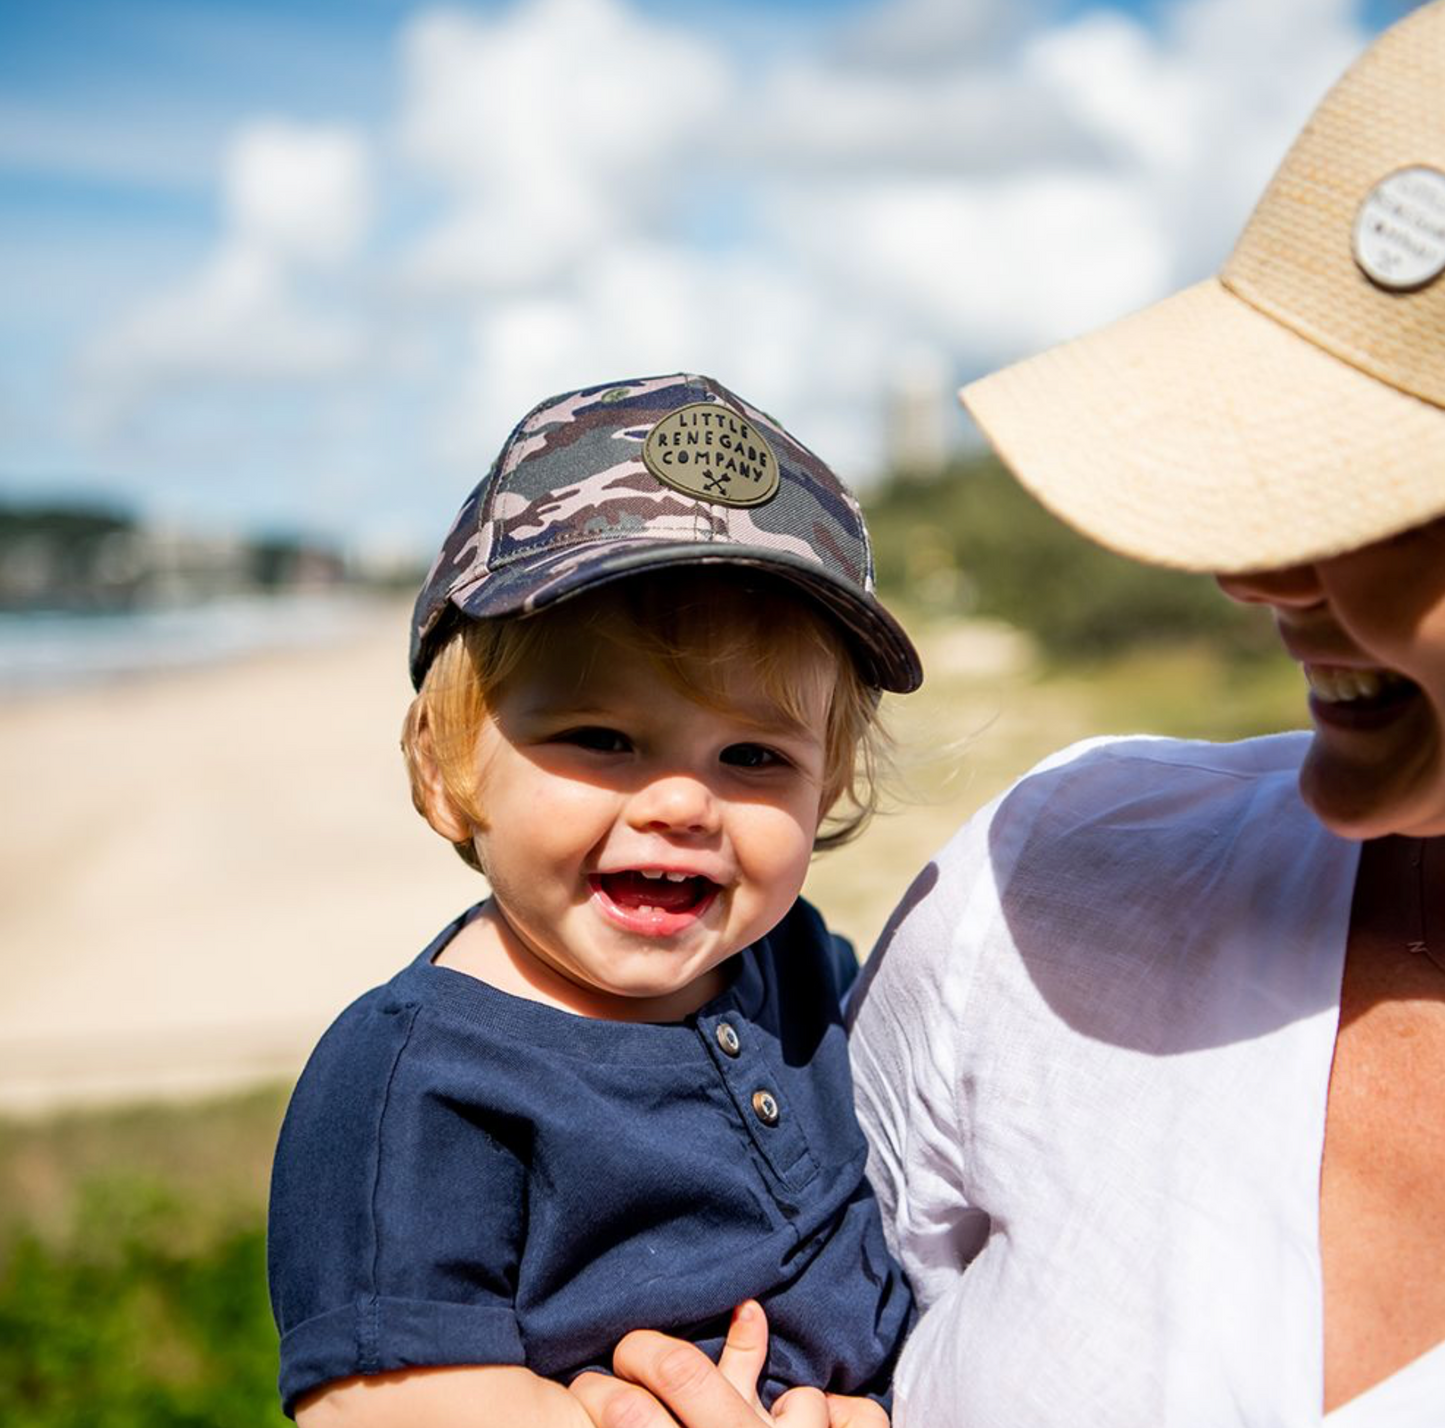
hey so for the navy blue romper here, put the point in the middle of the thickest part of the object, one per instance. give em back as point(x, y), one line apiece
point(468, 1177)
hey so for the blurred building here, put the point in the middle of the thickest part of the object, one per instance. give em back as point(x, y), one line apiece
point(919, 414)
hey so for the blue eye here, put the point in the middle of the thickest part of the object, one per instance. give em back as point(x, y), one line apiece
point(752, 756)
point(598, 739)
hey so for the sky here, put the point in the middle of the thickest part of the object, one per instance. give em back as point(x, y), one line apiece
point(299, 265)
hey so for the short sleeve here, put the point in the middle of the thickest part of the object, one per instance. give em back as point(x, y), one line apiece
point(395, 1212)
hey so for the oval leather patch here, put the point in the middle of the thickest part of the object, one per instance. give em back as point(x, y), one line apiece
point(708, 451)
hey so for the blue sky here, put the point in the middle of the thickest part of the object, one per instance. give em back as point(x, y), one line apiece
point(299, 265)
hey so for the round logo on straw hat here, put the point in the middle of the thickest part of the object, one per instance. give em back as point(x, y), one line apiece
point(707, 451)
point(1399, 239)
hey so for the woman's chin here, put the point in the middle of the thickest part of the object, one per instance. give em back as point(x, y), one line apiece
point(1360, 798)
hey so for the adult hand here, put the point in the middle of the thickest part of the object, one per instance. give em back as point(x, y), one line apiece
point(844, 1412)
point(668, 1383)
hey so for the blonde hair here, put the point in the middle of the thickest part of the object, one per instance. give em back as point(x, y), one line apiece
point(695, 627)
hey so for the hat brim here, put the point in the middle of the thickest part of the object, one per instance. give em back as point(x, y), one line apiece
point(1202, 434)
point(886, 654)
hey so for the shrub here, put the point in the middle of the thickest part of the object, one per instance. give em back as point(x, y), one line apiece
point(971, 541)
point(141, 1313)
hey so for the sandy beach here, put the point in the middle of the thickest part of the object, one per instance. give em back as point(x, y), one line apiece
point(201, 868)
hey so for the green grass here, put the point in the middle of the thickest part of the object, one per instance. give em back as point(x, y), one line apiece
point(132, 1269)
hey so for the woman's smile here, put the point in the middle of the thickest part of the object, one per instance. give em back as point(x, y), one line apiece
point(1359, 688)
point(1368, 630)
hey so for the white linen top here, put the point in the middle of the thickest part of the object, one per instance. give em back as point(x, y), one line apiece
point(1092, 1052)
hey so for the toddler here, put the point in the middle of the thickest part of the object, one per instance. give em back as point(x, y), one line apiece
point(615, 1094)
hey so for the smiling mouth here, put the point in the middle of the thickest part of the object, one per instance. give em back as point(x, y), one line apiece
point(652, 902)
point(1361, 688)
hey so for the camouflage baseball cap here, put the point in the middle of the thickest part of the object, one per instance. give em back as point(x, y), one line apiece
point(598, 484)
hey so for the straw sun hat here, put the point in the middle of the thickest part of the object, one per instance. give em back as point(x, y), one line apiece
point(1294, 406)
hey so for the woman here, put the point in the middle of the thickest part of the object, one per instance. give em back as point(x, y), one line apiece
point(1152, 1058)
point(1181, 1096)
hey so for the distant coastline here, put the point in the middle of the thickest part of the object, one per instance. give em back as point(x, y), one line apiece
point(44, 650)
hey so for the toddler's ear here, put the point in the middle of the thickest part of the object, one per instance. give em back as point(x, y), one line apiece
point(429, 789)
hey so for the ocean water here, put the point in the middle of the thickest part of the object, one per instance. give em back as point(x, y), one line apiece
point(48, 650)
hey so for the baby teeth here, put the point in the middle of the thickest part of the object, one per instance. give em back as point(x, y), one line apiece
point(1340, 686)
point(655, 873)
point(677, 877)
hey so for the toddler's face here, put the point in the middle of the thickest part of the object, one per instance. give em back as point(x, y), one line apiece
point(635, 839)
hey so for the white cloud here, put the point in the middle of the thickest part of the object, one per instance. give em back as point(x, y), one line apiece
point(1202, 109)
point(783, 342)
point(989, 267)
point(481, 248)
point(296, 198)
point(1259, 71)
point(298, 192)
point(587, 85)
point(605, 193)
point(919, 35)
point(234, 320)
point(555, 126)
point(813, 117)
point(1109, 74)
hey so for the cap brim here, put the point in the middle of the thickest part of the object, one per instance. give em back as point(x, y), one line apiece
point(1201, 434)
point(885, 652)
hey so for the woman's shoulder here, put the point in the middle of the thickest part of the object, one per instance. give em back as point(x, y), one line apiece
point(1100, 830)
point(1130, 790)
point(1166, 763)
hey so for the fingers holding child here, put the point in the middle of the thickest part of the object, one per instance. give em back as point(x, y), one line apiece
point(664, 1382)
point(670, 1384)
point(745, 1355)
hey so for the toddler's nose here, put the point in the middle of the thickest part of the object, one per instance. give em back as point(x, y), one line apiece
point(674, 803)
